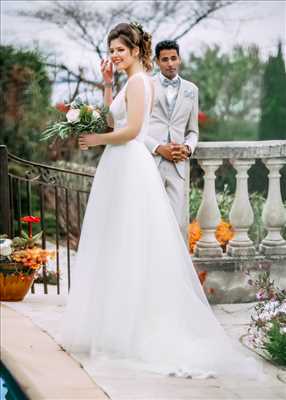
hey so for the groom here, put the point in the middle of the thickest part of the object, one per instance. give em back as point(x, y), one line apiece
point(173, 133)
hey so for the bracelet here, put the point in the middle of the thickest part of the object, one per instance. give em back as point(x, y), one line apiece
point(108, 84)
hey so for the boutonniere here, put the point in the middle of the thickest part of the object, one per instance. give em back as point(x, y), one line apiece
point(189, 93)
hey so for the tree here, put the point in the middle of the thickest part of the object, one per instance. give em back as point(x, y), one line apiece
point(229, 91)
point(25, 91)
point(273, 99)
point(87, 23)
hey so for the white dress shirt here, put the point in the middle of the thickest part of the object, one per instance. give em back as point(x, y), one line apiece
point(171, 91)
point(171, 96)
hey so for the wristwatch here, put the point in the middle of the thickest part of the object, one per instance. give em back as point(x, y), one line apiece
point(189, 150)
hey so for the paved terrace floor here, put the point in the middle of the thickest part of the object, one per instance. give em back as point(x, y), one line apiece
point(30, 351)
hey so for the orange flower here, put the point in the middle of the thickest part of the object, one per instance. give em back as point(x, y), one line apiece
point(195, 234)
point(224, 233)
point(202, 276)
point(33, 258)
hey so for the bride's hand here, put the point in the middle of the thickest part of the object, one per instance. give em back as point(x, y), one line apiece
point(106, 70)
point(81, 143)
point(89, 140)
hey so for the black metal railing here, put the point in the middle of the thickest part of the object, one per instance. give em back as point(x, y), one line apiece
point(57, 195)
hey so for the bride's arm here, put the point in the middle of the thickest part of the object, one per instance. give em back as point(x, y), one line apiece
point(135, 117)
point(107, 74)
point(108, 97)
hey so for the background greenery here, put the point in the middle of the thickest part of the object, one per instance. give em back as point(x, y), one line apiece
point(25, 95)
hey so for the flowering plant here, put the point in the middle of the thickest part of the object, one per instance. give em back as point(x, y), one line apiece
point(202, 117)
point(224, 232)
point(267, 330)
point(31, 258)
point(24, 250)
point(77, 118)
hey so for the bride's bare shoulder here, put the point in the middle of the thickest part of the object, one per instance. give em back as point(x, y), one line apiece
point(139, 80)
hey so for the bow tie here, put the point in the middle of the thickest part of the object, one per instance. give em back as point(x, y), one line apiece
point(167, 82)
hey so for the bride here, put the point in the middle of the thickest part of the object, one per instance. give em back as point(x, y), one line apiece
point(135, 294)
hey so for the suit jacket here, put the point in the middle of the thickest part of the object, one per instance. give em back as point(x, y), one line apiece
point(182, 124)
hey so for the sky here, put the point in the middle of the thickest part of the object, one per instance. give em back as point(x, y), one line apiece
point(246, 22)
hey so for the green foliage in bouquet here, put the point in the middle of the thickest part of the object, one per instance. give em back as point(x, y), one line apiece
point(77, 118)
point(60, 129)
point(90, 124)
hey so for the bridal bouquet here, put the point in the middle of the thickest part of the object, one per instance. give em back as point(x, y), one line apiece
point(77, 118)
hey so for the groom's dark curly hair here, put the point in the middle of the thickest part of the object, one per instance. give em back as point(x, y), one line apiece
point(166, 45)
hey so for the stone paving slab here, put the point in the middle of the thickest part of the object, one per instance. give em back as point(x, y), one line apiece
point(121, 384)
point(39, 365)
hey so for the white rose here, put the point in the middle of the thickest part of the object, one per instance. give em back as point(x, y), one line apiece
point(73, 115)
point(95, 114)
point(5, 247)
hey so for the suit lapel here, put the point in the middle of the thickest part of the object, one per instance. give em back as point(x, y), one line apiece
point(179, 98)
point(161, 95)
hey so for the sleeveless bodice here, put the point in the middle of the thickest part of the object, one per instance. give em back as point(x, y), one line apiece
point(118, 107)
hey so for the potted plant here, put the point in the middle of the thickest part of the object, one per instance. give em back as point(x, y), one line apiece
point(20, 259)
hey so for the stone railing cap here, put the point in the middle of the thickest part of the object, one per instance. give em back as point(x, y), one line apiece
point(241, 149)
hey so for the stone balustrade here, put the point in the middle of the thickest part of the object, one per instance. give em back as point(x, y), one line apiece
point(241, 155)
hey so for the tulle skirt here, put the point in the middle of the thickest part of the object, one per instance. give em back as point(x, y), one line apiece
point(135, 295)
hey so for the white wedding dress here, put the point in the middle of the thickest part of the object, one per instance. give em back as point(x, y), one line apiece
point(135, 296)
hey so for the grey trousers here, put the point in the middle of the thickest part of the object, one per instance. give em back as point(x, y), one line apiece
point(177, 189)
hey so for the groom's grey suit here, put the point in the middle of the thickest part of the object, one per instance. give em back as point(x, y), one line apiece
point(176, 123)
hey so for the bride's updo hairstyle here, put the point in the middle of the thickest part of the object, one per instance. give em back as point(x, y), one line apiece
point(133, 35)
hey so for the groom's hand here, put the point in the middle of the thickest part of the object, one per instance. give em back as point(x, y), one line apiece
point(180, 152)
point(166, 150)
point(173, 152)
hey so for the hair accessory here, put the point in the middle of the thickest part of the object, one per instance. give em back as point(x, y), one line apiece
point(137, 26)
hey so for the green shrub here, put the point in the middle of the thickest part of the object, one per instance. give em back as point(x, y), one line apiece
point(276, 344)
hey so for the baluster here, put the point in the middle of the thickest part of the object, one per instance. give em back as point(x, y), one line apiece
point(241, 214)
point(5, 207)
point(273, 215)
point(209, 215)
